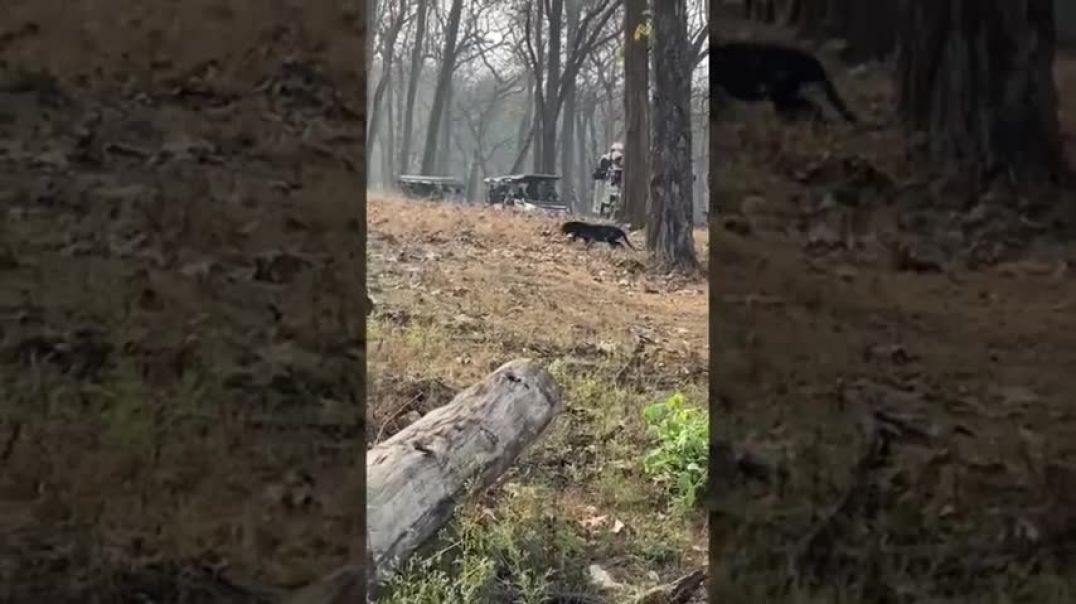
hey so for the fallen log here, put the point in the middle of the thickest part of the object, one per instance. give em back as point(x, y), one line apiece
point(415, 479)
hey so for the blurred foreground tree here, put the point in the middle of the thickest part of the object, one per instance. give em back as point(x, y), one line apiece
point(865, 27)
point(976, 78)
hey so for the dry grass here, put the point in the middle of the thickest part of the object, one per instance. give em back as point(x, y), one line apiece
point(179, 335)
point(460, 290)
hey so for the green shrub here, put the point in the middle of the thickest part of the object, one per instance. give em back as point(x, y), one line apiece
point(678, 461)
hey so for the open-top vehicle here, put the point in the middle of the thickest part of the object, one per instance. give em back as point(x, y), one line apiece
point(444, 188)
point(527, 191)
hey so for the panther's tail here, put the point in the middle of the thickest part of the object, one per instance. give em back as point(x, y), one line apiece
point(838, 103)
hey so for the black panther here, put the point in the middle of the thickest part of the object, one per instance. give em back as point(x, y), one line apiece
point(759, 71)
point(590, 233)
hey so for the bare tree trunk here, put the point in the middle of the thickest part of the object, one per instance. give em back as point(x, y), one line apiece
point(670, 233)
point(526, 125)
point(534, 138)
point(472, 175)
point(634, 205)
point(609, 132)
point(551, 104)
point(569, 167)
point(977, 78)
point(444, 82)
point(371, 27)
point(412, 84)
point(401, 99)
point(388, 151)
point(443, 165)
point(388, 57)
point(582, 172)
point(526, 132)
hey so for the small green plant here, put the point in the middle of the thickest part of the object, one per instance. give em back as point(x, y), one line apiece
point(678, 462)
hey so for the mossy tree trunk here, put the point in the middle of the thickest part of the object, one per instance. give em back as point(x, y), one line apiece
point(976, 77)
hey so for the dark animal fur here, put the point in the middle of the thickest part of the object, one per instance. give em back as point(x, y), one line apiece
point(756, 71)
point(590, 233)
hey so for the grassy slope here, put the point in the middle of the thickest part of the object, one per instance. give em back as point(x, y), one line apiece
point(462, 290)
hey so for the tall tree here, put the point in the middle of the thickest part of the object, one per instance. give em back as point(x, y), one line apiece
point(397, 18)
point(417, 53)
point(443, 90)
point(555, 11)
point(569, 168)
point(542, 27)
point(977, 77)
point(670, 231)
point(636, 113)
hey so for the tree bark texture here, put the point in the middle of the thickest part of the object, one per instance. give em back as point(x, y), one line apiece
point(976, 77)
point(866, 27)
point(670, 232)
point(636, 190)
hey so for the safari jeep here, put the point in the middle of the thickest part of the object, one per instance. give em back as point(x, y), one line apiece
point(529, 192)
point(441, 188)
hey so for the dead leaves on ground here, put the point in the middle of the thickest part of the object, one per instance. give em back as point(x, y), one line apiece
point(930, 487)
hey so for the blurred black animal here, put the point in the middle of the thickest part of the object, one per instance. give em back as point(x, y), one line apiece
point(590, 233)
point(759, 71)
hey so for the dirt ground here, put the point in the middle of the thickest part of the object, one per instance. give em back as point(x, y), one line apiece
point(179, 329)
point(852, 304)
point(460, 290)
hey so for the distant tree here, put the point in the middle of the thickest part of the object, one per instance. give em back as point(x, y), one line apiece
point(555, 62)
point(397, 17)
point(442, 94)
point(569, 165)
point(422, 10)
point(670, 230)
point(977, 78)
point(478, 116)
